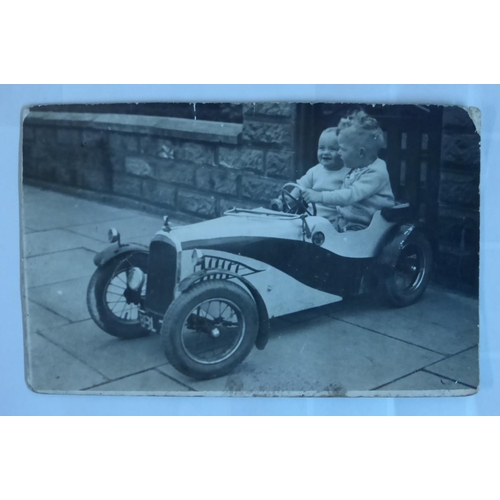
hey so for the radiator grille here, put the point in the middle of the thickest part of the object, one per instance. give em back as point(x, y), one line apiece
point(161, 276)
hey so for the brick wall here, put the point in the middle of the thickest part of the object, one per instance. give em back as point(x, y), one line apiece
point(188, 166)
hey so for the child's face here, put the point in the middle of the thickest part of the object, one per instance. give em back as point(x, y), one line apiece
point(351, 154)
point(328, 151)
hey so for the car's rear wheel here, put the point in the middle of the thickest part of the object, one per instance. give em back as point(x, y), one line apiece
point(210, 329)
point(410, 276)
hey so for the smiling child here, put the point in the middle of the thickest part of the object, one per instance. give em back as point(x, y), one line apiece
point(328, 175)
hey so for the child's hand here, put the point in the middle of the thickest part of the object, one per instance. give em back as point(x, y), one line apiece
point(312, 196)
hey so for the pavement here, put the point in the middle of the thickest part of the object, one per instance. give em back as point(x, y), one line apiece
point(352, 348)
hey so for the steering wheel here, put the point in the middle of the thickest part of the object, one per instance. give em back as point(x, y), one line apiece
point(299, 205)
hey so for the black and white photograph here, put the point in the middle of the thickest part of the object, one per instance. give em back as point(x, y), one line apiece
point(251, 249)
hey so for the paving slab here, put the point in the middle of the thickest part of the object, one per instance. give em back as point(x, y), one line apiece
point(463, 367)
point(308, 314)
point(68, 298)
point(441, 321)
point(52, 369)
point(129, 229)
point(329, 351)
point(149, 382)
point(109, 355)
point(422, 381)
point(39, 318)
point(319, 357)
point(56, 240)
point(57, 267)
point(44, 209)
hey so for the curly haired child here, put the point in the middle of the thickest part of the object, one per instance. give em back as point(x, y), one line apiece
point(366, 187)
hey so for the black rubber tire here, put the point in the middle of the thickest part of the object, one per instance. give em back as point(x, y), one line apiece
point(96, 296)
point(178, 312)
point(404, 297)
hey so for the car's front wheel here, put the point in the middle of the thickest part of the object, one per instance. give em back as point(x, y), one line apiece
point(210, 329)
point(114, 295)
point(410, 276)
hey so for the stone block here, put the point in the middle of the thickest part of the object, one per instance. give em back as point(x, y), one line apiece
point(269, 109)
point(46, 171)
point(257, 188)
point(138, 166)
point(92, 158)
point(67, 176)
point(29, 165)
point(197, 204)
point(40, 150)
point(69, 136)
point(116, 161)
point(127, 185)
point(46, 135)
point(220, 181)
point(95, 180)
point(241, 159)
point(460, 150)
point(175, 172)
point(195, 153)
point(94, 138)
point(28, 134)
point(460, 272)
point(457, 118)
point(279, 164)
point(459, 189)
point(459, 231)
point(264, 133)
point(124, 142)
point(159, 193)
point(156, 146)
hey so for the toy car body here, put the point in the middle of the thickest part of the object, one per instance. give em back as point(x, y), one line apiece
point(210, 288)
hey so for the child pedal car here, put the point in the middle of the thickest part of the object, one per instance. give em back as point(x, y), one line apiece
point(210, 288)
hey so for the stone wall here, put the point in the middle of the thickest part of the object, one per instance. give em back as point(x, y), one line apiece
point(458, 260)
point(189, 166)
point(203, 168)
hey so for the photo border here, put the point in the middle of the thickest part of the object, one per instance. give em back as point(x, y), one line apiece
point(16, 395)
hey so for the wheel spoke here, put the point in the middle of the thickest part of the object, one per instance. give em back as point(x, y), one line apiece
point(207, 314)
point(118, 276)
point(118, 286)
point(117, 302)
point(214, 338)
point(123, 308)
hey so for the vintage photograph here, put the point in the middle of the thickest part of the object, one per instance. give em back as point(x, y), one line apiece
point(251, 249)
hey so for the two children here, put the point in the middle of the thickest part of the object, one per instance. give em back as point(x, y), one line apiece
point(349, 195)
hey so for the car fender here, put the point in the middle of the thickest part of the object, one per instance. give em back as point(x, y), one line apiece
point(392, 245)
point(115, 250)
point(263, 334)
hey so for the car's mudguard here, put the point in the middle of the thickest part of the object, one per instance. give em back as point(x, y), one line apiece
point(392, 245)
point(263, 333)
point(115, 250)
